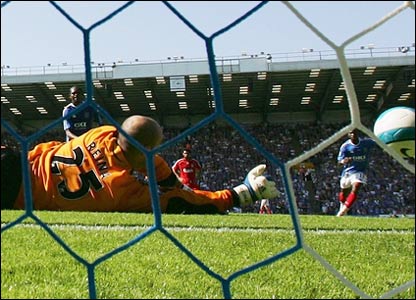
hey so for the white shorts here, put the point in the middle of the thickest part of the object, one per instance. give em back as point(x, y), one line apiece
point(348, 179)
point(264, 202)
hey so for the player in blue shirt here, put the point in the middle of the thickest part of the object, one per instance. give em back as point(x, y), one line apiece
point(354, 155)
point(81, 122)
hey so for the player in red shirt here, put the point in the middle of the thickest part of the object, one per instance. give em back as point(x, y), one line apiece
point(188, 170)
point(96, 172)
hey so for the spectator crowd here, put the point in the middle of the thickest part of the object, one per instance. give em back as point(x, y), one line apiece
point(224, 155)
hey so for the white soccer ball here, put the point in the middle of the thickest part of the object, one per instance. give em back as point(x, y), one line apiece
point(396, 128)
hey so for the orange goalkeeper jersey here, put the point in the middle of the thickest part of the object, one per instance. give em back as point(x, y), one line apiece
point(91, 173)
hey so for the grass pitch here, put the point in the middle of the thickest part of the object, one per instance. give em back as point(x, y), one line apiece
point(376, 255)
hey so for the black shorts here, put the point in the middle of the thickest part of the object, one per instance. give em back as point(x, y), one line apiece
point(11, 176)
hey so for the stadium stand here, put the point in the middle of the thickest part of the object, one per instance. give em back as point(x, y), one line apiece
point(275, 113)
point(179, 93)
point(384, 195)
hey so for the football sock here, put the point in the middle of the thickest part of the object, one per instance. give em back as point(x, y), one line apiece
point(351, 199)
point(341, 197)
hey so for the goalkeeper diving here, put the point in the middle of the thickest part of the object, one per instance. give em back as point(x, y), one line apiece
point(96, 172)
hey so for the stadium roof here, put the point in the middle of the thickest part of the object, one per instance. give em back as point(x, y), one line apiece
point(248, 85)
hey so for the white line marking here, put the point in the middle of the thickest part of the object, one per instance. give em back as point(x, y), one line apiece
point(209, 229)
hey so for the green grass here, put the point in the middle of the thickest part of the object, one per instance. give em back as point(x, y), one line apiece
point(375, 254)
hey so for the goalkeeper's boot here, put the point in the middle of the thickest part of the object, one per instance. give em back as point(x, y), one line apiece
point(256, 187)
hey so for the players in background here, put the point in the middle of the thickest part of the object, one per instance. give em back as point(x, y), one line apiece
point(354, 155)
point(82, 121)
point(265, 207)
point(93, 172)
point(306, 176)
point(188, 169)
